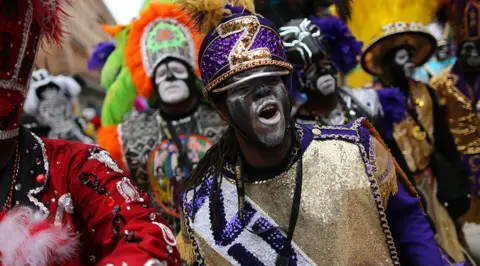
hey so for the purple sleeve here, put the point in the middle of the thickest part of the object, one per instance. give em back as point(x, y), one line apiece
point(411, 230)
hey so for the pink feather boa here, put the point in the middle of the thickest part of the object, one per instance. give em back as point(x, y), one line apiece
point(27, 238)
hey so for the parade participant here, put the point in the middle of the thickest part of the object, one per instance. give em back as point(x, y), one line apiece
point(63, 203)
point(396, 43)
point(317, 50)
point(457, 88)
point(51, 100)
point(269, 175)
point(160, 147)
point(442, 58)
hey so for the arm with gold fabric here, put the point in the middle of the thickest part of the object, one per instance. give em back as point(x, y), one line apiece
point(411, 232)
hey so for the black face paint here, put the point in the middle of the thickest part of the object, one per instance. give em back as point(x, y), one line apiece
point(260, 109)
point(399, 63)
point(469, 55)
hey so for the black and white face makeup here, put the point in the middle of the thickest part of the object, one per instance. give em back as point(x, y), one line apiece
point(171, 81)
point(442, 53)
point(399, 63)
point(260, 109)
point(321, 77)
point(404, 58)
point(469, 55)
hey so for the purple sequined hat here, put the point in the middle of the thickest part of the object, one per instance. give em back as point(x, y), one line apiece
point(240, 42)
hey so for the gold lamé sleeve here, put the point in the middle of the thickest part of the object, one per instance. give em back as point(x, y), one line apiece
point(385, 175)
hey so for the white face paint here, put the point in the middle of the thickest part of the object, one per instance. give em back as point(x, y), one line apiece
point(170, 80)
point(402, 58)
point(326, 84)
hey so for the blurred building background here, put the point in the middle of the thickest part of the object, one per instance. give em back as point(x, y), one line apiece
point(85, 33)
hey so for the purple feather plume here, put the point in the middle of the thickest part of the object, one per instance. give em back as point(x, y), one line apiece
point(345, 48)
point(100, 54)
point(394, 105)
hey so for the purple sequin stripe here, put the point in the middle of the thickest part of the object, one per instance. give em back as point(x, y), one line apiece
point(214, 60)
point(273, 237)
point(243, 256)
point(225, 233)
point(200, 197)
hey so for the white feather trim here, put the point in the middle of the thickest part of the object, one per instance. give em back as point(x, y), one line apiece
point(68, 84)
point(20, 246)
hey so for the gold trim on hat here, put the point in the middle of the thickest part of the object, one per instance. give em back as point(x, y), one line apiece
point(250, 65)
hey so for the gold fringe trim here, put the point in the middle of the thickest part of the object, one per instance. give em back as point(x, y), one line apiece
point(401, 176)
point(388, 188)
point(185, 249)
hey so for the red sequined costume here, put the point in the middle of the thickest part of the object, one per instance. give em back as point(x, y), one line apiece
point(63, 203)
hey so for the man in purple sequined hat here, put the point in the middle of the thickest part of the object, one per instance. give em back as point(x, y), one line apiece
point(273, 192)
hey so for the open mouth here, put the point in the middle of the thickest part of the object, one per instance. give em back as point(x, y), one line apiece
point(269, 113)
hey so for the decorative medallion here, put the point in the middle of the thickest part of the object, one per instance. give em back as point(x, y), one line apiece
point(165, 171)
point(128, 191)
point(168, 235)
point(104, 157)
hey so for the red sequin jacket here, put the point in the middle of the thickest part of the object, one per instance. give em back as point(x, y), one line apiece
point(81, 188)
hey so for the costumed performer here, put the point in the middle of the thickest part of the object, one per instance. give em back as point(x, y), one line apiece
point(161, 147)
point(52, 99)
point(397, 42)
point(442, 58)
point(273, 192)
point(318, 49)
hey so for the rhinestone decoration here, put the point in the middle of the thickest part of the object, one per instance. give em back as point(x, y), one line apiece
point(168, 235)
point(128, 191)
point(104, 157)
point(18, 187)
point(65, 204)
point(215, 59)
point(153, 216)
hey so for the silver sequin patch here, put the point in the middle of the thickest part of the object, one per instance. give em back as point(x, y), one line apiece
point(104, 157)
point(65, 203)
point(128, 191)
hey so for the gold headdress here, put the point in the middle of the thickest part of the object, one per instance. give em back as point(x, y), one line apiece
point(383, 25)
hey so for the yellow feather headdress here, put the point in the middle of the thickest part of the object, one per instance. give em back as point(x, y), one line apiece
point(207, 14)
point(383, 25)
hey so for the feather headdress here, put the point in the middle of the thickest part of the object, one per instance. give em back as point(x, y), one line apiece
point(161, 31)
point(383, 25)
point(207, 14)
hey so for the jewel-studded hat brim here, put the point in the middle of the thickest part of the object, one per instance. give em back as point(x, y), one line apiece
point(424, 43)
point(267, 62)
